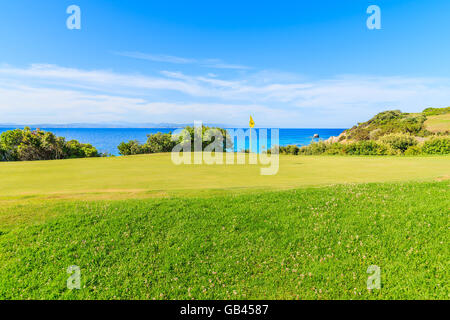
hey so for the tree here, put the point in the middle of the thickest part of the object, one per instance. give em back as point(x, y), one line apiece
point(132, 147)
point(208, 136)
point(28, 145)
point(160, 142)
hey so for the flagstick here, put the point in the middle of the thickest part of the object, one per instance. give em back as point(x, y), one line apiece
point(250, 140)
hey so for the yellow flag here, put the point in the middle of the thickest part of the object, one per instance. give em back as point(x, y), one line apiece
point(252, 123)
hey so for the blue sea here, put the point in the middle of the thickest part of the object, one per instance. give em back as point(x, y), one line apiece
point(107, 140)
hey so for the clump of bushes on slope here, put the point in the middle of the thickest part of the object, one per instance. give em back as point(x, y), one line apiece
point(389, 122)
point(439, 145)
point(388, 133)
point(28, 145)
point(320, 147)
point(370, 147)
point(395, 144)
point(436, 111)
point(398, 142)
point(163, 142)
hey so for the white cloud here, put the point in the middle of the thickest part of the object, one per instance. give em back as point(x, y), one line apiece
point(207, 63)
point(156, 57)
point(23, 104)
point(49, 93)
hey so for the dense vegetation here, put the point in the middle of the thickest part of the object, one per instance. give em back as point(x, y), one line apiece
point(395, 144)
point(387, 133)
point(165, 142)
point(159, 142)
point(27, 144)
point(314, 243)
point(392, 122)
point(436, 111)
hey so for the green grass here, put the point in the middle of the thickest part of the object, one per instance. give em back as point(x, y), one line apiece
point(311, 243)
point(156, 175)
point(142, 228)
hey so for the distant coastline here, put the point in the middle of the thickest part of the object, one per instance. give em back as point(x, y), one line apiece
point(127, 125)
point(110, 125)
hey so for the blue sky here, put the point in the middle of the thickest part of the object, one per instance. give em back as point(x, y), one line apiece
point(288, 63)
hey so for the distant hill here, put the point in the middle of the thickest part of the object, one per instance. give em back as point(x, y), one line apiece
point(429, 122)
point(107, 125)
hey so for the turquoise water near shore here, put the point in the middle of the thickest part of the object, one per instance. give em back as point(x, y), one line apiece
point(107, 139)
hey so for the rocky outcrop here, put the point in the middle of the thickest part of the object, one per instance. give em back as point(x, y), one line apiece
point(339, 138)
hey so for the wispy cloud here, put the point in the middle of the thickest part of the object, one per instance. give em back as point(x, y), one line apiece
point(44, 93)
point(156, 57)
point(219, 64)
point(207, 63)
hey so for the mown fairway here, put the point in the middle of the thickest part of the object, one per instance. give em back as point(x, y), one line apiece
point(156, 175)
point(211, 242)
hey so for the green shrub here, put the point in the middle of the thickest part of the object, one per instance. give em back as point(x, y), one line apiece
point(163, 142)
point(160, 142)
point(75, 149)
point(2, 153)
point(291, 149)
point(28, 145)
point(399, 142)
point(389, 122)
point(413, 151)
point(386, 117)
point(335, 148)
point(9, 143)
point(132, 147)
point(366, 148)
point(436, 111)
point(437, 146)
point(314, 148)
point(208, 136)
point(360, 134)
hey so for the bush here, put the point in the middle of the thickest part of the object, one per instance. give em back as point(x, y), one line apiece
point(2, 153)
point(9, 143)
point(208, 137)
point(28, 145)
point(399, 142)
point(291, 149)
point(160, 142)
point(366, 148)
point(436, 111)
point(386, 116)
point(360, 134)
point(437, 146)
point(356, 148)
point(413, 151)
point(390, 145)
point(389, 122)
point(335, 148)
point(75, 149)
point(314, 148)
point(132, 147)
